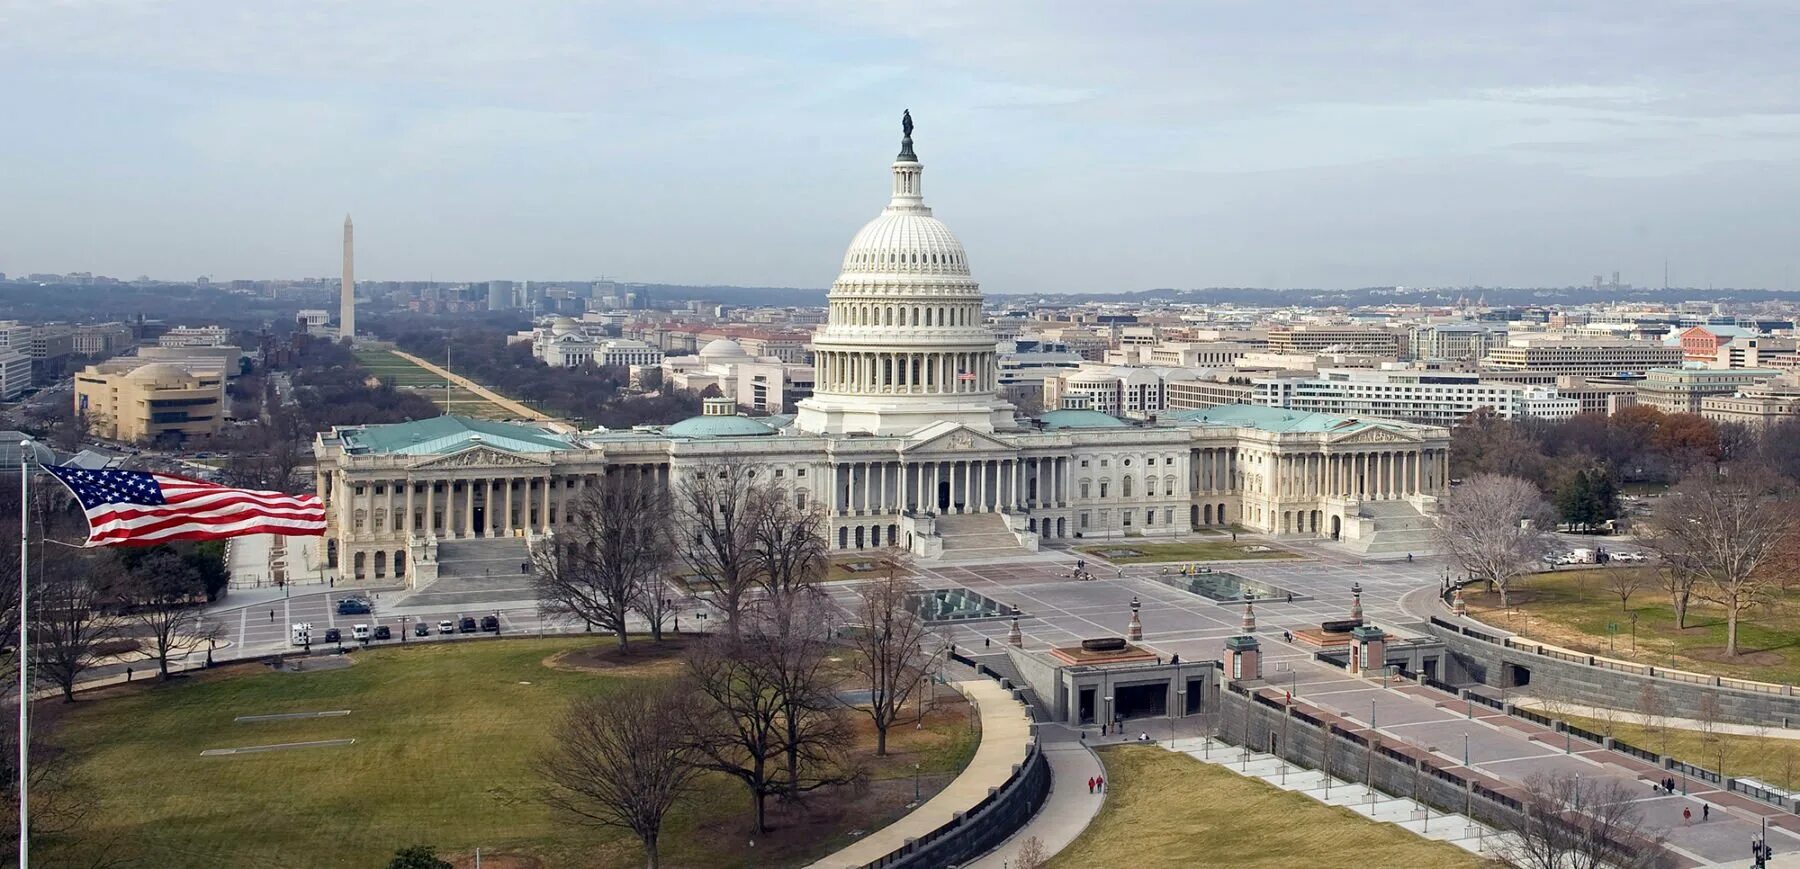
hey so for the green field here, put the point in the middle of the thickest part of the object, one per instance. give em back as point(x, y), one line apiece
point(1193, 550)
point(1574, 608)
point(1168, 809)
point(445, 737)
point(408, 375)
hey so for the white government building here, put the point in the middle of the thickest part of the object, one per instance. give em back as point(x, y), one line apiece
point(904, 442)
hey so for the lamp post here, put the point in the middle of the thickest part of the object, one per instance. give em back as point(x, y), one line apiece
point(915, 784)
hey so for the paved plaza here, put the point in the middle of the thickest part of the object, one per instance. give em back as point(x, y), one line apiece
point(1060, 611)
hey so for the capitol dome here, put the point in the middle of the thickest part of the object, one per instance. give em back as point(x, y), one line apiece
point(905, 344)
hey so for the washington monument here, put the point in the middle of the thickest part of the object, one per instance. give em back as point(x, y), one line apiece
point(347, 291)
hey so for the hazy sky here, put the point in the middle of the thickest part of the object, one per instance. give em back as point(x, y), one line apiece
point(1072, 146)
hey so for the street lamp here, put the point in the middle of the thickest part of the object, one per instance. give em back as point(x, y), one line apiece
point(915, 784)
point(1465, 749)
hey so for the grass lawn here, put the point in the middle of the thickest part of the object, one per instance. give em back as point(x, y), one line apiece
point(1572, 608)
point(1192, 550)
point(1168, 809)
point(446, 734)
point(408, 375)
point(1766, 759)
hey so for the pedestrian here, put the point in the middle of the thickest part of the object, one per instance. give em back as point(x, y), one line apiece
point(1102, 784)
point(1090, 784)
point(1705, 812)
point(271, 616)
point(127, 674)
point(1290, 597)
point(1287, 636)
point(1687, 816)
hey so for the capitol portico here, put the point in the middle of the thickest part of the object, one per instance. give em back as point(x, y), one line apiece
point(904, 442)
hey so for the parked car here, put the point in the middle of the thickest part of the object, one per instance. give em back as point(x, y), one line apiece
point(353, 606)
point(360, 632)
point(490, 624)
point(421, 630)
point(383, 632)
point(446, 627)
point(333, 635)
point(468, 625)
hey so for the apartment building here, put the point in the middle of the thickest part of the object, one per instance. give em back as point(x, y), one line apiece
point(1311, 339)
point(15, 373)
point(1681, 390)
point(1455, 341)
point(1602, 395)
point(1434, 397)
point(1756, 406)
point(1589, 356)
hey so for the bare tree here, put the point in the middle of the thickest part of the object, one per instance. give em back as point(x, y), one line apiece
point(1730, 534)
point(1568, 822)
point(68, 624)
point(1650, 712)
point(814, 734)
point(737, 731)
point(1623, 582)
point(1710, 717)
point(624, 760)
point(656, 601)
point(891, 657)
point(1031, 854)
point(612, 548)
point(788, 549)
point(1496, 528)
point(1678, 581)
point(715, 508)
point(162, 593)
point(758, 724)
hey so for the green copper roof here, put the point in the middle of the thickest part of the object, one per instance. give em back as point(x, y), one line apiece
point(1061, 419)
point(1275, 419)
point(718, 426)
point(448, 434)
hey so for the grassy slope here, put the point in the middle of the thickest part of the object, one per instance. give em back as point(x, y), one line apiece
point(446, 734)
point(1167, 809)
point(1573, 607)
point(1767, 759)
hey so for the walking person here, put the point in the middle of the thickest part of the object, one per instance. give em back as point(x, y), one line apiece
point(271, 616)
point(1090, 784)
point(1687, 817)
point(1705, 812)
point(1102, 782)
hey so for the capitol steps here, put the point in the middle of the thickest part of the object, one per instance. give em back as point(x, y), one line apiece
point(1400, 529)
point(478, 569)
point(977, 535)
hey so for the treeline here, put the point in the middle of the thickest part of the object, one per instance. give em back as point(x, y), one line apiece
point(590, 394)
point(1582, 463)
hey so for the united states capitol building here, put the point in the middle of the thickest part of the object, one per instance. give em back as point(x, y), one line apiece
point(905, 442)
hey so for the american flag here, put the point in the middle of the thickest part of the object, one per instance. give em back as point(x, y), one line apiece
point(128, 508)
point(965, 375)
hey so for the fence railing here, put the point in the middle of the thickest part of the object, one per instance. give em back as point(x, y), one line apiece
point(1692, 771)
point(1624, 747)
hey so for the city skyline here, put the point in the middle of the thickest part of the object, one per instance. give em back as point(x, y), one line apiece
point(1176, 148)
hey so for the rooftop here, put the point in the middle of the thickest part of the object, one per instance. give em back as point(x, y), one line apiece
point(448, 434)
point(1278, 419)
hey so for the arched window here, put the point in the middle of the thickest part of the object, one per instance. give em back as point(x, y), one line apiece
point(1102, 488)
point(1125, 488)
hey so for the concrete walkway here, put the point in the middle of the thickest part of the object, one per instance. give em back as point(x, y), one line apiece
point(1069, 807)
point(502, 401)
point(1005, 734)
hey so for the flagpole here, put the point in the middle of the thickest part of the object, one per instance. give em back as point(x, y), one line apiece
point(24, 634)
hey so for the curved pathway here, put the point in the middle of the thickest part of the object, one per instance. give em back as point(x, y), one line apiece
point(1069, 807)
point(1005, 732)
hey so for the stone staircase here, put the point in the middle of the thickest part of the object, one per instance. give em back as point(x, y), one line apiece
point(477, 570)
point(1399, 528)
point(977, 535)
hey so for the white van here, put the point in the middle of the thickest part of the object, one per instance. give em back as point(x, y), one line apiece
point(302, 634)
point(360, 632)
